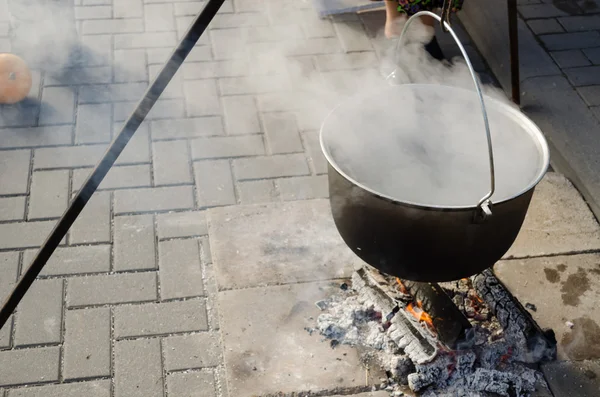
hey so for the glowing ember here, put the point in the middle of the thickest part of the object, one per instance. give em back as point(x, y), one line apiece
point(402, 287)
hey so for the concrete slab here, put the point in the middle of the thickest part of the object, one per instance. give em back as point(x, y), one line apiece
point(573, 379)
point(565, 291)
point(571, 131)
point(558, 222)
point(277, 243)
point(268, 351)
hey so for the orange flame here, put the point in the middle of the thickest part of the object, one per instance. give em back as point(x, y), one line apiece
point(402, 287)
point(420, 314)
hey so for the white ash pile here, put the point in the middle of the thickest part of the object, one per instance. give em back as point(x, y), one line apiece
point(496, 358)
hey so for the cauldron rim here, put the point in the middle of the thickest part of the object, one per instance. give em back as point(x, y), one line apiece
point(522, 119)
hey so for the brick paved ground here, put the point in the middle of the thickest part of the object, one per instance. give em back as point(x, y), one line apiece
point(130, 293)
point(570, 32)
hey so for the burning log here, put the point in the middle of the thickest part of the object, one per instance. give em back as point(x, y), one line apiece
point(520, 329)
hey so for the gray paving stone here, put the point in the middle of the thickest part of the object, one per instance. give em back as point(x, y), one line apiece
point(87, 343)
point(253, 84)
point(98, 388)
point(129, 9)
point(358, 60)
point(39, 317)
point(74, 260)
point(572, 378)
point(285, 101)
point(543, 26)
point(12, 208)
point(570, 58)
point(580, 22)
point(230, 146)
point(180, 271)
point(14, 171)
point(138, 371)
point(273, 33)
point(253, 192)
point(18, 367)
point(593, 54)
point(249, 5)
point(303, 188)
point(171, 163)
point(92, 12)
point(159, 55)
point(153, 199)
point(159, 17)
point(224, 21)
point(570, 41)
point(94, 123)
point(22, 114)
point(9, 267)
point(227, 43)
point(214, 183)
point(67, 156)
point(314, 47)
point(144, 40)
point(281, 130)
point(138, 148)
point(181, 224)
point(313, 26)
point(250, 243)
point(198, 384)
point(192, 351)
point(111, 92)
point(79, 76)
point(175, 87)
point(596, 111)
point(202, 98)
point(200, 53)
point(271, 166)
point(111, 289)
point(591, 94)
point(558, 221)
point(134, 243)
point(187, 128)
point(315, 154)
point(540, 11)
point(211, 70)
point(93, 224)
point(191, 8)
point(130, 66)
point(36, 136)
point(353, 36)
point(98, 50)
point(24, 234)
point(106, 26)
point(49, 194)
point(276, 343)
point(241, 115)
point(118, 177)
point(160, 318)
point(167, 108)
point(589, 75)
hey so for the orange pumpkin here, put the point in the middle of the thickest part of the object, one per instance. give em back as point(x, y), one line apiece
point(15, 79)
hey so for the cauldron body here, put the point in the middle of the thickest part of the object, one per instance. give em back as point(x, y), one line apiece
point(421, 244)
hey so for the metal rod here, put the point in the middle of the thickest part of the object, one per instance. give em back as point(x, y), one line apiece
point(485, 203)
point(513, 36)
point(136, 118)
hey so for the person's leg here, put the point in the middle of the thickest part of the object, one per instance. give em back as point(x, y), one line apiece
point(391, 18)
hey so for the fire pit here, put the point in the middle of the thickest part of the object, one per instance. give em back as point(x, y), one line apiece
point(464, 338)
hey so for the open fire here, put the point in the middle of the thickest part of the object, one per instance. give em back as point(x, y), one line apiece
point(464, 338)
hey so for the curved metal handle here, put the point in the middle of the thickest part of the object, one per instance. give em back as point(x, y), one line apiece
point(485, 203)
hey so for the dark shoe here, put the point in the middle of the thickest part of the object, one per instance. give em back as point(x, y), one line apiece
point(434, 49)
